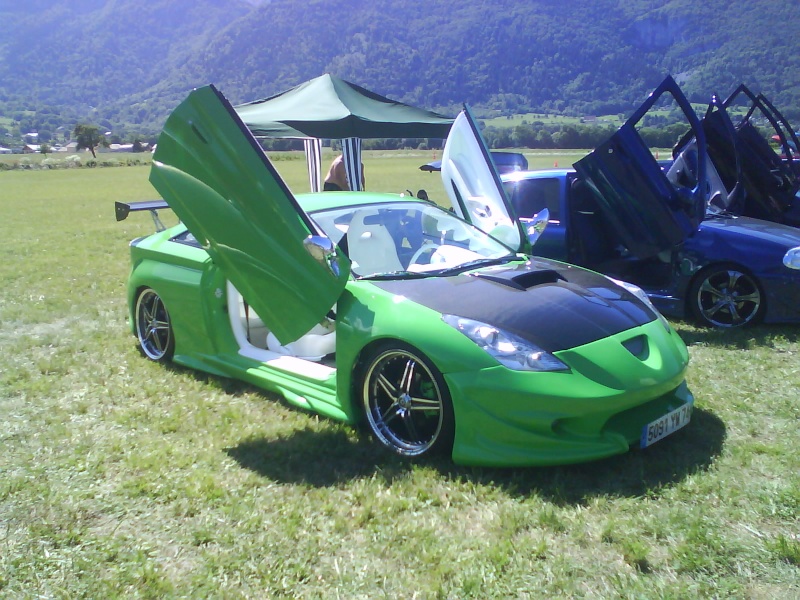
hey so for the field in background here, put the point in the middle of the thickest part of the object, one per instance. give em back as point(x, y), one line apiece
point(392, 171)
point(594, 120)
point(123, 478)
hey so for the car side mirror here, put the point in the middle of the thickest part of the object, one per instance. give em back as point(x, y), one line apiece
point(323, 251)
point(535, 226)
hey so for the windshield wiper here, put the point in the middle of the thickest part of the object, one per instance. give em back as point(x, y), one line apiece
point(397, 275)
point(478, 262)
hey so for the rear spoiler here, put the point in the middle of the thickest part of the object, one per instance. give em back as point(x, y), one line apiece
point(123, 209)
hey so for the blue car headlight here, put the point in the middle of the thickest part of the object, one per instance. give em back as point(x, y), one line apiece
point(792, 258)
point(639, 293)
point(508, 349)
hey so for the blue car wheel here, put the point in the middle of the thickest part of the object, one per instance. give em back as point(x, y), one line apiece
point(726, 296)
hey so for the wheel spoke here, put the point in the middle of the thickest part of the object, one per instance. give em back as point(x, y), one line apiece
point(735, 316)
point(147, 313)
point(715, 308)
point(751, 297)
point(733, 279)
point(387, 386)
point(154, 338)
point(411, 427)
point(711, 289)
point(391, 412)
point(408, 376)
point(425, 404)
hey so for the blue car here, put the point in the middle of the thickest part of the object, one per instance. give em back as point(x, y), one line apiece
point(620, 213)
point(505, 162)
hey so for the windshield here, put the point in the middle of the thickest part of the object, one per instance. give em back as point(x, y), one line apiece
point(406, 238)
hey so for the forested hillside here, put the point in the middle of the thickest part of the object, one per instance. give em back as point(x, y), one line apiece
point(126, 63)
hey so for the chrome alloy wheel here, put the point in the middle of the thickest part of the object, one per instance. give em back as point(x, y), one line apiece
point(153, 327)
point(406, 403)
point(726, 297)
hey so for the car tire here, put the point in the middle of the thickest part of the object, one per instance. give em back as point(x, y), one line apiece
point(153, 327)
point(406, 402)
point(726, 296)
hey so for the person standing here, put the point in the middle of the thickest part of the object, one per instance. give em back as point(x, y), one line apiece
point(336, 179)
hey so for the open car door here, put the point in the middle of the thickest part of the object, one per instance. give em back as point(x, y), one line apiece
point(647, 211)
point(771, 182)
point(473, 184)
point(726, 190)
point(213, 174)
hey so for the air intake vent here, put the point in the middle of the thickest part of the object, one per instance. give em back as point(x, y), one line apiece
point(638, 346)
point(523, 281)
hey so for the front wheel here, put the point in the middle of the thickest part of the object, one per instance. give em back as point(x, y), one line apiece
point(153, 327)
point(406, 402)
point(725, 296)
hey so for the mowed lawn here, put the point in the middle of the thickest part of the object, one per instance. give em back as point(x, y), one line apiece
point(120, 478)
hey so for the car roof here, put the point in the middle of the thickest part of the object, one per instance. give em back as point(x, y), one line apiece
point(519, 175)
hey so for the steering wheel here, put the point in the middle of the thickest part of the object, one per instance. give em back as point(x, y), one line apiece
point(425, 248)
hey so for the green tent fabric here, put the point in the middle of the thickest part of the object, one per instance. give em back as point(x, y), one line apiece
point(332, 108)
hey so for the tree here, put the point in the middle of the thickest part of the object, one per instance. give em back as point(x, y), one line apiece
point(88, 136)
point(44, 149)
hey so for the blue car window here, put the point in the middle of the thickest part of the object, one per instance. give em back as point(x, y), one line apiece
point(530, 196)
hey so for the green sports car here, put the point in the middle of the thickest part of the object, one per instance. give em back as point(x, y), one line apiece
point(435, 328)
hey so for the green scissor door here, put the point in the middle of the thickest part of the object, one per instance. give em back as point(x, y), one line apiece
point(473, 185)
point(213, 174)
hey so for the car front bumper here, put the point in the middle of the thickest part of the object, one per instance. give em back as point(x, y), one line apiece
point(597, 409)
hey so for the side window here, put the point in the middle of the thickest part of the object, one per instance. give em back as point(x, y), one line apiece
point(529, 196)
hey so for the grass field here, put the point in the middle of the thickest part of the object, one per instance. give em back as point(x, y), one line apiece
point(120, 478)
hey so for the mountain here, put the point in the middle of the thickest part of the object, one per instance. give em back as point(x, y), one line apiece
point(125, 63)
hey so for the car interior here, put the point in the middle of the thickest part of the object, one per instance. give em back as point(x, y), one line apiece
point(256, 341)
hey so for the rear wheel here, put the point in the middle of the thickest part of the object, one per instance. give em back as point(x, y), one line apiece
point(726, 296)
point(406, 402)
point(153, 327)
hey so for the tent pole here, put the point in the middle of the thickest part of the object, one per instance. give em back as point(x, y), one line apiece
point(351, 149)
point(313, 147)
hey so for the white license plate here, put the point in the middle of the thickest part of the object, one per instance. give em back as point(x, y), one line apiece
point(669, 423)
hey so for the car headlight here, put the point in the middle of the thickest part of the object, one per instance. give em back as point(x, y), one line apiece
point(792, 258)
point(509, 350)
point(639, 293)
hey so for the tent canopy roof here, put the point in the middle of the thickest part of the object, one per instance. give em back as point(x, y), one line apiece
point(332, 108)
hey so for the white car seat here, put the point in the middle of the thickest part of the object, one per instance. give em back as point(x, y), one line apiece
point(371, 247)
point(314, 345)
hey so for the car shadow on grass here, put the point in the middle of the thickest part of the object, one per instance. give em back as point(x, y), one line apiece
point(334, 456)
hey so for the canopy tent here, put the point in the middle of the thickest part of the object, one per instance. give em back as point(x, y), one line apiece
point(332, 108)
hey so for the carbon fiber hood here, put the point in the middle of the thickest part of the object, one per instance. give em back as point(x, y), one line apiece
point(553, 305)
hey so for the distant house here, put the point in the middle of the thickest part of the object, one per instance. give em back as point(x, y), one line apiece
point(31, 138)
point(31, 149)
point(4, 150)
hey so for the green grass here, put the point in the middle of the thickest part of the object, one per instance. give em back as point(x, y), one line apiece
point(120, 478)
